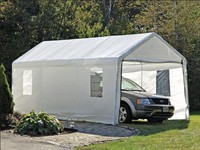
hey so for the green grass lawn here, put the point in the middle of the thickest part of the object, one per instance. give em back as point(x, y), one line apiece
point(183, 135)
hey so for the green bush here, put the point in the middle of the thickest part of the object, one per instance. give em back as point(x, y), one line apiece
point(6, 99)
point(38, 124)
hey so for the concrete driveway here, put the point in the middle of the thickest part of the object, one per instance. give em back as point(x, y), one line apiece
point(88, 133)
point(10, 141)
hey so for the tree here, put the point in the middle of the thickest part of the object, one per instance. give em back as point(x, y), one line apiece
point(16, 27)
point(6, 100)
point(118, 16)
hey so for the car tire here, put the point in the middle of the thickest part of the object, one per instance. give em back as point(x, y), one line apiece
point(154, 120)
point(125, 115)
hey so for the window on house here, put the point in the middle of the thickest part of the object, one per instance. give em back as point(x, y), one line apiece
point(163, 83)
point(96, 82)
point(27, 82)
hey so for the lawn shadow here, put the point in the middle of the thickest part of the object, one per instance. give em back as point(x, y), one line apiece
point(146, 128)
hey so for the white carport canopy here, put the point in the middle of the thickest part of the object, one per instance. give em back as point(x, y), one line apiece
point(56, 76)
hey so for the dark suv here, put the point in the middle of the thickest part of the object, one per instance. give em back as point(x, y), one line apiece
point(136, 103)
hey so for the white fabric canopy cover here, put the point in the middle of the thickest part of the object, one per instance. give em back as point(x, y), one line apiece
point(58, 76)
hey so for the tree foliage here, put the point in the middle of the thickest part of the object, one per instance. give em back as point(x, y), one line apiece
point(27, 23)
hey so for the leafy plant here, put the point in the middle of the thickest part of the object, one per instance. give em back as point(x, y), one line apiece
point(38, 124)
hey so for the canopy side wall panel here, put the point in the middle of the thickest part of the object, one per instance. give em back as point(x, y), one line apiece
point(66, 93)
point(178, 98)
point(26, 102)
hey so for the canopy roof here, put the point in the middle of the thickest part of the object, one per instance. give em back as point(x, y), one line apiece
point(147, 47)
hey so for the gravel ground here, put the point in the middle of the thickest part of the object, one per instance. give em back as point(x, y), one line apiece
point(88, 133)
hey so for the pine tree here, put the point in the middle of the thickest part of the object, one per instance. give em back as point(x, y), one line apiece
point(6, 99)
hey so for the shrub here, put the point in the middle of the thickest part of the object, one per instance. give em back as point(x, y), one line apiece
point(38, 124)
point(17, 115)
point(7, 121)
point(6, 99)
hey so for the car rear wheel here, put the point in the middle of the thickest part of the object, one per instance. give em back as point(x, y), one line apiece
point(125, 115)
point(154, 120)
